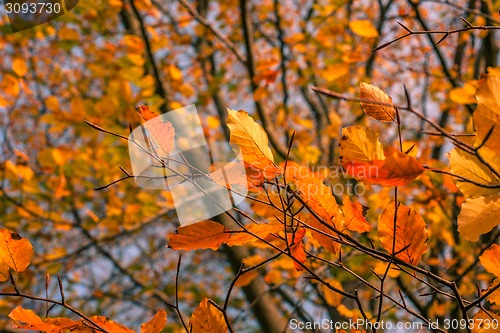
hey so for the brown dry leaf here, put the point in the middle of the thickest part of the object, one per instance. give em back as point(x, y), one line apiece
point(411, 233)
point(398, 169)
point(354, 219)
point(478, 216)
point(155, 324)
point(378, 109)
point(487, 114)
point(207, 319)
point(359, 144)
point(201, 235)
point(15, 250)
point(490, 260)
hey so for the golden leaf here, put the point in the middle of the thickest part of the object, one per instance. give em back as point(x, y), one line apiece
point(411, 233)
point(478, 216)
point(487, 114)
point(363, 28)
point(155, 324)
point(490, 260)
point(207, 318)
point(377, 110)
point(15, 250)
point(359, 144)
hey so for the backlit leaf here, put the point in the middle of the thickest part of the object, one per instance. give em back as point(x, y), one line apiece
point(363, 28)
point(359, 144)
point(201, 235)
point(207, 319)
point(490, 260)
point(470, 167)
point(398, 169)
point(15, 250)
point(377, 110)
point(27, 319)
point(155, 324)
point(354, 219)
point(411, 233)
point(487, 114)
point(478, 216)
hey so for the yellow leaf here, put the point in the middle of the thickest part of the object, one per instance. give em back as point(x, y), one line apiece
point(363, 28)
point(490, 260)
point(331, 297)
point(470, 167)
point(155, 324)
point(494, 297)
point(466, 94)
point(378, 109)
point(411, 233)
point(52, 103)
point(478, 216)
point(19, 66)
point(381, 267)
point(334, 72)
point(354, 219)
point(207, 318)
point(398, 169)
point(359, 144)
point(201, 235)
point(487, 114)
point(15, 250)
point(248, 135)
point(175, 72)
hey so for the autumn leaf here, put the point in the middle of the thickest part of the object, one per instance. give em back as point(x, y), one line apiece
point(398, 169)
point(363, 28)
point(28, 320)
point(15, 250)
point(19, 66)
point(411, 233)
point(110, 325)
point(354, 218)
point(297, 248)
point(478, 216)
point(468, 166)
point(161, 132)
point(249, 136)
point(487, 114)
point(490, 260)
point(207, 318)
point(262, 230)
point(201, 235)
point(155, 324)
point(4, 270)
point(378, 109)
point(359, 144)
point(319, 198)
point(486, 322)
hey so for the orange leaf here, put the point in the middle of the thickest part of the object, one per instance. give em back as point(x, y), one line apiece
point(411, 234)
point(15, 250)
point(297, 249)
point(110, 325)
point(145, 112)
point(490, 260)
point(354, 219)
point(207, 319)
point(262, 230)
point(378, 109)
point(155, 324)
point(397, 170)
point(28, 320)
point(201, 235)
